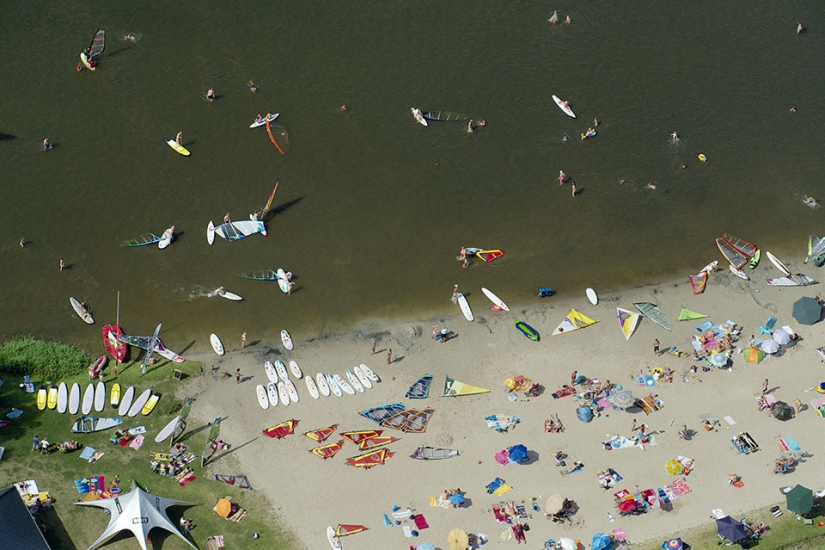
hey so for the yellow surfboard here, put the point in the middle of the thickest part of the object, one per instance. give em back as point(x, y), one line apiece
point(150, 404)
point(41, 398)
point(51, 400)
point(114, 398)
point(178, 148)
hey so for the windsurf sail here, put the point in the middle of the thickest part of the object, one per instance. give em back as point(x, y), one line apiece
point(97, 45)
point(268, 206)
point(420, 388)
point(322, 434)
point(210, 448)
point(370, 459)
point(743, 246)
point(269, 131)
point(454, 388)
point(652, 312)
point(328, 451)
point(377, 414)
point(627, 321)
point(687, 315)
point(180, 427)
point(573, 321)
point(373, 442)
point(736, 258)
point(343, 529)
point(237, 481)
point(418, 423)
point(141, 240)
point(816, 246)
point(359, 436)
point(698, 281)
point(261, 275)
point(282, 430)
point(489, 255)
point(400, 419)
point(444, 116)
point(234, 231)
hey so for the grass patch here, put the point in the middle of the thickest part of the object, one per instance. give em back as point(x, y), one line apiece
point(39, 358)
point(69, 526)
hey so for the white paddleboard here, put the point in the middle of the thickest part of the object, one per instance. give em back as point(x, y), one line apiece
point(710, 267)
point(74, 398)
point(263, 120)
point(166, 238)
point(738, 272)
point(287, 340)
point(779, 265)
point(210, 233)
point(217, 345)
point(280, 368)
point(82, 312)
point(137, 406)
point(167, 430)
point(283, 393)
point(591, 295)
point(321, 381)
point(333, 538)
point(263, 400)
point(62, 398)
point(88, 399)
point(567, 110)
point(292, 391)
point(465, 307)
point(311, 387)
point(495, 299)
point(272, 391)
point(283, 282)
point(333, 386)
point(228, 295)
point(100, 396)
point(126, 401)
point(296, 370)
point(343, 384)
point(271, 373)
point(354, 382)
point(419, 116)
point(371, 375)
point(367, 383)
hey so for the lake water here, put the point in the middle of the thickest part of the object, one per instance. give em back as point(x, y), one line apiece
point(372, 208)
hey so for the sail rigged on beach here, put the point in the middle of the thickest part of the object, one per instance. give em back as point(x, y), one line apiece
point(652, 312)
point(573, 321)
point(627, 321)
point(687, 315)
point(454, 388)
point(698, 281)
point(209, 449)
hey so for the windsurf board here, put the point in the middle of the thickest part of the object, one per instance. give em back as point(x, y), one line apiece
point(210, 233)
point(217, 345)
point(281, 370)
point(74, 398)
point(126, 401)
point(287, 340)
point(88, 399)
point(180, 149)
point(166, 238)
point(167, 430)
point(710, 267)
point(321, 381)
point(292, 391)
point(365, 380)
point(738, 273)
point(465, 307)
point(283, 393)
point(81, 311)
point(272, 392)
point(263, 400)
point(371, 375)
point(283, 282)
point(343, 384)
point(311, 387)
point(567, 110)
point(296, 370)
point(271, 373)
point(100, 396)
point(51, 399)
point(62, 397)
point(114, 397)
point(332, 537)
point(270, 118)
point(354, 382)
point(779, 265)
point(591, 295)
point(150, 404)
point(138, 404)
point(495, 299)
point(333, 386)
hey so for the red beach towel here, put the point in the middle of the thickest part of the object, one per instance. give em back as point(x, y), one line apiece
point(564, 392)
point(420, 522)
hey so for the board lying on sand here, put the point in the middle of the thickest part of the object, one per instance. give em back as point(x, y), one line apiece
point(368, 372)
point(283, 393)
point(333, 386)
point(321, 381)
point(271, 373)
point(295, 369)
point(312, 388)
point(280, 368)
point(263, 399)
point(354, 382)
point(495, 299)
point(591, 295)
point(292, 391)
point(779, 265)
point(526, 330)
point(465, 306)
point(343, 384)
point(272, 393)
point(365, 380)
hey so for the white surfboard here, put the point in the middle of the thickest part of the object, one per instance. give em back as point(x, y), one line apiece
point(283, 393)
point(100, 396)
point(591, 295)
point(367, 383)
point(343, 384)
point(710, 267)
point(287, 340)
point(272, 392)
point(292, 391)
point(354, 382)
point(419, 116)
point(217, 345)
point(228, 295)
point(283, 282)
point(739, 273)
point(566, 108)
point(88, 399)
point(371, 375)
point(465, 307)
point(138, 404)
point(779, 265)
point(321, 381)
point(263, 400)
point(280, 368)
point(62, 397)
point(210, 233)
point(311, 387)
point(126, 401)
point(296, 370)
point(167, 430)
point(332, 537)
point(271, 373)
point(333, 386)
point(74, 398)
point(166, 238)
point(495, 299)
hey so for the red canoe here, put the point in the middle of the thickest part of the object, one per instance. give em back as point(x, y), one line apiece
point(97, 366)
point(111, 340)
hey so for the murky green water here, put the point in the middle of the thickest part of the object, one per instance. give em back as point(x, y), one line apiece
point(372, 208)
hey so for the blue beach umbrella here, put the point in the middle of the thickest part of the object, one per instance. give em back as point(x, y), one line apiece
point(456, 499)
point(600, 542)
point(517, 453)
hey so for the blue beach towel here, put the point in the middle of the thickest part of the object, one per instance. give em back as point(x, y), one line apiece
point(792, 444)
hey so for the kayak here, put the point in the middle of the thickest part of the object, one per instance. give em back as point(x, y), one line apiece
point(264, 120)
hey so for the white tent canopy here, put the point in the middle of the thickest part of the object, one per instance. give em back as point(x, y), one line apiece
point(136, 511)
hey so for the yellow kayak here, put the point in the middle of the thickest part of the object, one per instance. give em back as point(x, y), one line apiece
point(178, 148)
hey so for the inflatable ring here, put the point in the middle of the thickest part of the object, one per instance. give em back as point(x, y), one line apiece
point(821, 387)
point(702, 157)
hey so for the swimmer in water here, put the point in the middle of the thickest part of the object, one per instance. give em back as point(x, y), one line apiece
point(651, 186)
point(810, 201)
point(129, 38)
point(674, 136)
point(252, 87)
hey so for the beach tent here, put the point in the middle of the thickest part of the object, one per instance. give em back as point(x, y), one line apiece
point(688, 315)
point(799, 500)
point(458, 539)
point(807, 310)
point(782, 410)
point(769, 346)
point(454, 388)
point(753, 355)
point(136, 511)
point(573, 321)
point(600, 541)
point(731, 529)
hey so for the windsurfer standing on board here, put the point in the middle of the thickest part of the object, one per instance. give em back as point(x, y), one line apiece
point(178, 138)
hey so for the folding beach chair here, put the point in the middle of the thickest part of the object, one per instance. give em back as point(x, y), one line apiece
point(768, 327)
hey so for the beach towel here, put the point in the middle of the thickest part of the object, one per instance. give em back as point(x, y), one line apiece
point(739, 447)
point(420, 522)
point(400, 514)
point(792, 444)
point(438, 502)
point(186, 480)
point(503, 489)
point(564, 392)
point(718, 513)
point(237, 516)
point(407, 531)
point(387, 521)
point(502, 422)
point(704, 326)
point(81, 486)
point(603, 403)
point(618, 442)
point(91, 455)
point(14, 413)
point(137, 443)
point(679, 488)
point(730, 421)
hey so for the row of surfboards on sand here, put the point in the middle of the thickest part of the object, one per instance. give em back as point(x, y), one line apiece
point(281, 388)
point(63, 399)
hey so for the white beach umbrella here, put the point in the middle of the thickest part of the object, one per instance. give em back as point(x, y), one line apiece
point(770, 346)
point(781, 336)
point(568, 544)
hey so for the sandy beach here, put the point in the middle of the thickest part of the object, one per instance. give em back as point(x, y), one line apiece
point(309, 493)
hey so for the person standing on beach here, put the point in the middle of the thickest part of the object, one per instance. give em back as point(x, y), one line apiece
point(243, 340)
point(237, 376)
point(765, 387)
point(372, 349)
point(389, 356)
point(633, 426)
point(36, 443)
point(655, 346)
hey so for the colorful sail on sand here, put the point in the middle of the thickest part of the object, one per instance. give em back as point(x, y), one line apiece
point(343, 529)
point(237, 481)
point(282, 430)
point(410, 420)
point(358, 437)
point(687, 315)
point(741, 245)
point(573, 321)
point(210, 448)
point(732, 255)
point(374, 442)
point(420, 388)
point(627, 321)
point(698, 281)
point(322, 434)
point(816, 246)
point(378, 414)
point(652, 312)
point(454, 388)
point(489, 255)
point(371, 459)
point(328, 451)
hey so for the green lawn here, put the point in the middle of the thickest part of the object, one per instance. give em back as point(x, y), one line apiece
point(69, 526)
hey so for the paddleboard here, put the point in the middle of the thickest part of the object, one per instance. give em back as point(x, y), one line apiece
point(591, 295)
point(419, 116)
point(311, 387)
point(710, 267)
point(738, 273)
point(62, 397)
point(114, 397)
point(166, 238)
point(333, 538)
point(150, 404)
point(371, 375)
point(41, 398)
point(283, 393)
point(271, 373)
point(272, 392)
point(779, 265)
point(51, 399)
point(354, 382)
point(81, 311)
point(465, 306)
point(296, 370)
point(210, 233)
point(283, 282)
point(126, 401)
point(365, 380)
point(287, 340)
point(343, 384)
point(74, 398)
point(167, 430)
point(280, 368)
point(263, 400)
point(178, 148)
point(88, 399)
point(493, 298)
point(333, 386)
point(263, 120)
point(755, 260)
point(567, 110)
point(229, 295)
point(292, 391)
point(138, 404)
point(216, 343)
point(100, 396)
point(321, 381)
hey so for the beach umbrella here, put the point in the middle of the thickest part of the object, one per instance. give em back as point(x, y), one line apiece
point(799, 500)
point(425, 546)
point(627, 505)
point(718, 360)
point(781, 411)
point(655, 501)
point(456, 498)
point(567, 543)
point(458, 539)
point(769, 346)
point(517, 453)
point(554, 505)
point(673, 544)
point(730, 529)
point(807, 310)
point(673, 467)
point(753, 355)
point(501, 458)
point(224, 508)
point(781, 336)
point(600, 542)
point(621, 400)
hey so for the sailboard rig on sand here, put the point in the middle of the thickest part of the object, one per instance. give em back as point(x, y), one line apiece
point(343, 529)
point(94, 50)
point(489, 255)
point(698, 281)
point(283, 135)
point(410, 420)
point(377, 441)
point(687, 315)
point(358, 436)
point(627, 321)
point(211, 447)
point(378, 414)
point(731, 254)
point(237, 481)
point(420, 388)
point(652, 312)
point(322, 434)
point(573, 321)
point(370, 459)
point(454, 388)
point(328, 451)
point(282, 430)
point(180, 427)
